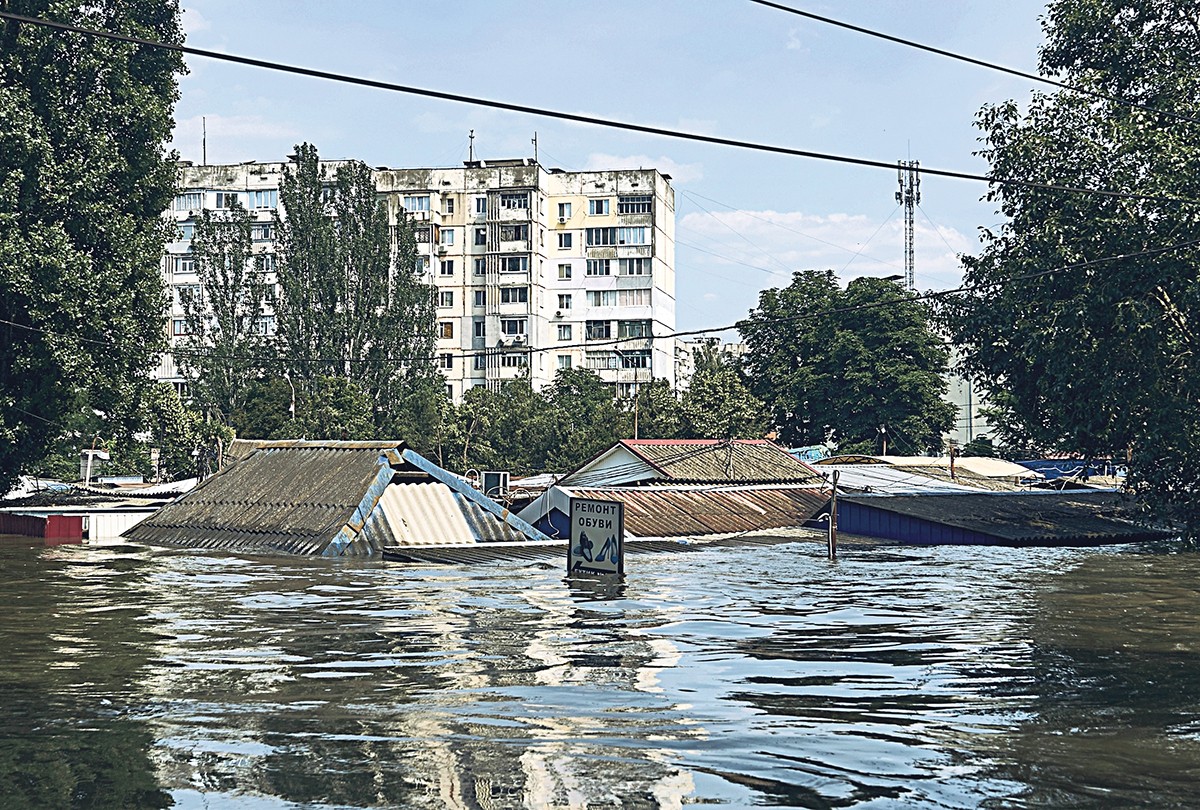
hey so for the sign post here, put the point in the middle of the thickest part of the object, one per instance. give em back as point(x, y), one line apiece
point(597, 547)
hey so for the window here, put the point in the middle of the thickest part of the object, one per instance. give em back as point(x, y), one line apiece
point(420, 265)
point(264, 199)
point(481, 236)
point(446, 298)
point(227, 199)
point(179, 327)
point(266, 262)
point(564, 210)
point(447, 236)
point(481, 205)
point(189, 201)
point(446, 360)
point(627, 390)
point(480, 327)
point(598, 361)
point(634, 267)
point(185, 264)
point(187, 293)
point(564, 241)
point(597, 207)
point(598, 330)
point(262, 231)
point(616, 236)
point(512, 326)
point(514, 295)
point(186, 231)
point(564, 361)
point(564, 271)
point(447, 205)
point(421, 235)
point(416, 202)
point(635, 203)
point(633, 298)
point(264, 325)
point(480, 362)
point(602, 298)
point(514, 233)
point(517, 199)
point(480, 267)
point(564, 331)
point(599, 267)
point(480, 298)
point(564, 301)
point(447, 267)
point(510, 360)
point(633, 329)
point(634, 358)
point(514, 264)
point(446, 329)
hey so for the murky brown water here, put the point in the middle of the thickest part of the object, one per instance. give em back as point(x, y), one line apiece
point(137, 677)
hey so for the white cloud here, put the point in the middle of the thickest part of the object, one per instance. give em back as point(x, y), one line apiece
point(193, 22)
point(233, 138)
point(680, 172)
point(778, 243)
point(793, 41)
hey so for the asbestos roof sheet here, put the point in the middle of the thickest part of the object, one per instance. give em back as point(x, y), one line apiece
point(682, 512)
point(433, 514)
point(714, 461)
point(882, 478)
point(285, 496)
point(1021, 517)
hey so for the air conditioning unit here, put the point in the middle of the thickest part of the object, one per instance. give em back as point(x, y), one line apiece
point(518, 340)
point(558, 314)
point(562, 220)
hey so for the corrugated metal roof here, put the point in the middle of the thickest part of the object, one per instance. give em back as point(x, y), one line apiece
point(432, 514)
point(683, 512)
point(883, 478)
point(709, 461)
point(1019, 517)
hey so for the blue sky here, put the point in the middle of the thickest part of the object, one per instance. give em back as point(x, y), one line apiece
point(731, 68)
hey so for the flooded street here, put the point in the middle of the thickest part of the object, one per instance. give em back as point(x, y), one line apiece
point(765, 676)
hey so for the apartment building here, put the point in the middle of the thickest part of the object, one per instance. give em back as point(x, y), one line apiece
point(536, 269)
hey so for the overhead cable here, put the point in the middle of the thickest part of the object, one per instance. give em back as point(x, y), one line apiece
point(579, 118)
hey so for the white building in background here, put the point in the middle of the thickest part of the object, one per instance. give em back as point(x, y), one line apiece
point(535, 268)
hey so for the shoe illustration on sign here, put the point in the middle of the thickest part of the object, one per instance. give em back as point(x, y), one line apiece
point(585, 548)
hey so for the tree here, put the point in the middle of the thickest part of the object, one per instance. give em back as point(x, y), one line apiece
point(584, 418)
point(848, 364)
point(224, 348)
point(84, 178)
point(656, 411)
point(717, 404)
point(1087, 353)
point(351, 304)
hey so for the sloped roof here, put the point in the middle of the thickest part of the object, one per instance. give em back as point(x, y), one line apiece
point(326, 497)
point(884, 478)
point(697, 461)
point(1019, 518)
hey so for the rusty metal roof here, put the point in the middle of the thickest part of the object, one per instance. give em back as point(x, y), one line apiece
point(687, 511)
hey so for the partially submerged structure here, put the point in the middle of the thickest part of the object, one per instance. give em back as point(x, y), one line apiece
point(689, 488)
point(333, 499)
point(903, 474)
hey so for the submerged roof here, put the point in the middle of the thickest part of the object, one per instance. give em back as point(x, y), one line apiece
point(1013, 518)
point(982, 466)
point(696, 461)
point(328, 497)
point(883, 478)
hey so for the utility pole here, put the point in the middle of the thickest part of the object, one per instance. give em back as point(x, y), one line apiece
point(909, 195)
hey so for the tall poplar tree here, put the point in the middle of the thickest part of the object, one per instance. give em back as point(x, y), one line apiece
point(84, 178)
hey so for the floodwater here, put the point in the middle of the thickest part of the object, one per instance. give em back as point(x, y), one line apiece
point(764, 676)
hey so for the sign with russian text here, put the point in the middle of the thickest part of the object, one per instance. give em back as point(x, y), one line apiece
point(597, 547)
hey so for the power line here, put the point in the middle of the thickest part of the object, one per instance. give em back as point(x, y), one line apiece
point(908, 43)
point(579, 118)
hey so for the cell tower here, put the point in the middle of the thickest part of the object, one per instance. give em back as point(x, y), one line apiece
point(909, 195)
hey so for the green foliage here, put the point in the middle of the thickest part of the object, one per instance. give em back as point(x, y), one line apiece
point(84, 178)
point(585, 419)
point(717, 404)
point(223, 350)
point(1101, 357)
point(351, 304)
point(657, 411)
point(842, 364)
point(979, 446)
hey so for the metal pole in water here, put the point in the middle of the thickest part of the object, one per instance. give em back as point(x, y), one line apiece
point(833, 519)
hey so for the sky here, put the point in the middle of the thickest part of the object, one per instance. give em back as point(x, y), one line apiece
point(744, 220)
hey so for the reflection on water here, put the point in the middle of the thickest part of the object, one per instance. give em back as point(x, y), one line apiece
point(139, 677)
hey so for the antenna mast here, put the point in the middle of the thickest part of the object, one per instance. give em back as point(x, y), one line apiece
point(909, 195)
point(470, 147)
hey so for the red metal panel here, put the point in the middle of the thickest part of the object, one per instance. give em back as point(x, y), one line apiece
point(64, 527)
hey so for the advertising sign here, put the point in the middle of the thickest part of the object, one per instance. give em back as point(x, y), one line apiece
point(597, 545)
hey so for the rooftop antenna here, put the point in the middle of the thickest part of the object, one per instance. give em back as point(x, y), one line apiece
point(909, 175)
point(203, 141)
point(470, 147)
point(535, 148)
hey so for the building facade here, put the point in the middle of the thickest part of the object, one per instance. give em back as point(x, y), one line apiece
point(536, 269)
